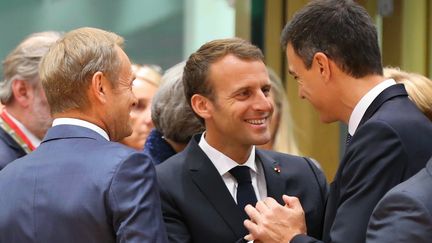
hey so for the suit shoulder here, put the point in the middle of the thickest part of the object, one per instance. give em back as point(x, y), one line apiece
point(284, 158)
point(173, 164)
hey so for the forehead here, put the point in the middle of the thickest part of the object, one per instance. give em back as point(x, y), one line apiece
point(231, 71)
point(294, 61)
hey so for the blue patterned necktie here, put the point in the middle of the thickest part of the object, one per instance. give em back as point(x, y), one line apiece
point(348, 140)
point(245, 191)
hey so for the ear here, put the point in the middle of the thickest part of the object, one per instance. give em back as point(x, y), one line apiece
point(201, 106)
point(322, 63)
point(99, 87)
point(22, 92)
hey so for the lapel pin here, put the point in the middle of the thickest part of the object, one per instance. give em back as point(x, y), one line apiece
point(277, 169)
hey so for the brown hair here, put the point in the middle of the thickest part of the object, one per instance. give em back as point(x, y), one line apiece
point(196, 71)
point(66, 70)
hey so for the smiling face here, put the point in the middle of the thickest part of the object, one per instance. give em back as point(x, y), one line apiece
point(312, 85)
point(240, 113)
point(121, 101)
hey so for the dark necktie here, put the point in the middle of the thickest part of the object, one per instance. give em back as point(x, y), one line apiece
point(348, 140)
point(245, 191)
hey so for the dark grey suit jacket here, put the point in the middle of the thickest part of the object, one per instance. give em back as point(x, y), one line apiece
point(391, 144)
point(79, 187)
point(197, 206)
point(9, 149)
point(404, 214)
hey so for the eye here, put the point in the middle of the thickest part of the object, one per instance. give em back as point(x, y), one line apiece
point(141, 105)
point(266, 90)
point(243, 94)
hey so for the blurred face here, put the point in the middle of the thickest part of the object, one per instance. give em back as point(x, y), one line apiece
point(141, 113)
point(274, 123)
point(310, 85)
point(121, 100)
point(241, 111)
point(39, 112)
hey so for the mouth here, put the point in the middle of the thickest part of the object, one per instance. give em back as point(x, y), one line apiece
point(256, 121)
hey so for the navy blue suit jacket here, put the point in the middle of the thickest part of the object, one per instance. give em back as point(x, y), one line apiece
point(392, 143)
point(404, 214)
point(9, 149)
point(79, 187)
point(197, 206)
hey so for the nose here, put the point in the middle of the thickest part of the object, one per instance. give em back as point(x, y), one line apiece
point(300, 92)
point(147, 116)
point(263, 102)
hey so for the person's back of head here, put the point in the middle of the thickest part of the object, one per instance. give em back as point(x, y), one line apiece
point(171, 113)
point(342, 30)
point(419, 88)
point(197, 69)
point(87, 75)
point(67, 69)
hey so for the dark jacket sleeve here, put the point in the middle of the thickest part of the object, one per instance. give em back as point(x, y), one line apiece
point(135, 202)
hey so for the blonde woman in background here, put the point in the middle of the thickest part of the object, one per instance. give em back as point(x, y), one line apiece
point(282, 125)
point(145, 85)
point(419, 88)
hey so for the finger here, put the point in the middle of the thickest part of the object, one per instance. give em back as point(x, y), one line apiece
point(248, 237)
point(253, 214)
point(262, 207)
point(252, 228)
point(271, 203)
point(291, 202)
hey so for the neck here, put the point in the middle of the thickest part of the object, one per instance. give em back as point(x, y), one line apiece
point(236, 152)
point(80, 115)
point(357, 89)
point(23, 115)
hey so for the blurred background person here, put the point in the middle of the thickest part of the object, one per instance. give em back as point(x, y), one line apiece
point(406, 209)
point(281, 126)
point(25, 117)
point(145, 85)
point(174, 120)
point(419, 88)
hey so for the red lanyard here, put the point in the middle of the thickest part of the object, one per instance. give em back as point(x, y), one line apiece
point(16, 129)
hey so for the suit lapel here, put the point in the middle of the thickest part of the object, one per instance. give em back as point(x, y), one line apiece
point(274, 181)
point(211, 184)
point(390, 92)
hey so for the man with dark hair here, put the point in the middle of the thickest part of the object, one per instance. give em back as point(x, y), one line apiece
point(26, 114)
point(333, 53)
point(205, 187)
point(78, 186)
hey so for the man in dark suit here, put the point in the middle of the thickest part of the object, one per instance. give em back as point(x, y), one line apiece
point(78, 186)
point(404, 214)
point(333, 53)
point(205, 187)
point(25, 117)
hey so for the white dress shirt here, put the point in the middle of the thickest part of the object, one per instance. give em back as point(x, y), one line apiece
point(223, 164)
point(81, 123)
point(364, 103)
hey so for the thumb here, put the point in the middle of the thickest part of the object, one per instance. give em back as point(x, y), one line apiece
point(291, 202)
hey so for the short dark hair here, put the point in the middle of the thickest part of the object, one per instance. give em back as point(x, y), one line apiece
point(342, 30)
point(195, 75)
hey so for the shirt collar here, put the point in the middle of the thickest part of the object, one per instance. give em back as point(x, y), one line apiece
point(81, 123)
point(222, 162)
point(31, 137)
point(364, 103)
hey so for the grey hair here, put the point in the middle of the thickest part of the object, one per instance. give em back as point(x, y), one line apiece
point(171, 113)
point(23, 61)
